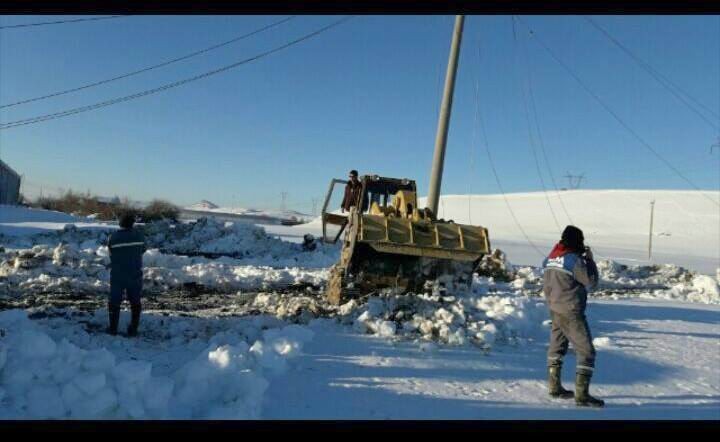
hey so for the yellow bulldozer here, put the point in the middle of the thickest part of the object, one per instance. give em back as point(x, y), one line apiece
point(390, 242)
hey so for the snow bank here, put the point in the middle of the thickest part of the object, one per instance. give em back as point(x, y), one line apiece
point(248, 242)
point(45, 377)
point(456, 317)
point(510, 309)
point(163, 272)
point(662, 281)
point(665, 281)
point(17, 222)
point(75, 260)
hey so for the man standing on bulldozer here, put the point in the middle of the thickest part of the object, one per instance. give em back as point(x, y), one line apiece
point(569, 272)
point(352, 191)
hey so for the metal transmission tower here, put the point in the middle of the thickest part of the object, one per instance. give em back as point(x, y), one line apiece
point(574, 180)
point(283, 206)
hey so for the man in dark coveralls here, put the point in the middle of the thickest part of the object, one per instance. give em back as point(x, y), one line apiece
point(126, 247)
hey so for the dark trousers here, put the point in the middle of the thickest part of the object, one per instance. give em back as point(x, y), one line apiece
point(571, 328)
point(132, 291)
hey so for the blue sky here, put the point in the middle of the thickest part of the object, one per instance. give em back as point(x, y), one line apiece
point(363, 95)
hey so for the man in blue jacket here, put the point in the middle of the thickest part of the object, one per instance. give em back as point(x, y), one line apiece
point(126, 247)
point(569, 272)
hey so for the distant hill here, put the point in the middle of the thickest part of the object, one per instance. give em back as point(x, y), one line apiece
point(291, 215)
point(203, 205)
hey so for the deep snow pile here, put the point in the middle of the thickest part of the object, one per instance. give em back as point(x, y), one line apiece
point(67, 268)
point(76, 260)
point(18, 221)
point(661, 281)
point(209, 236)
point(508, 307)
point(489, 312)
point(664, 281)
point(163, 272)
point(57, 370)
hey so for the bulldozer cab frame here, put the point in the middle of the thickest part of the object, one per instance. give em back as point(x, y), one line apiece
point(375, 189)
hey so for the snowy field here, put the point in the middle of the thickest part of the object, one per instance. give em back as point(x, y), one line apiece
point(616, 223)
point(235, 325)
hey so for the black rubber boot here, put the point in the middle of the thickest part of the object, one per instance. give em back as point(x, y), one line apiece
point(113, 319)
point(132, 329)
point(582, 395)
point(555, 388)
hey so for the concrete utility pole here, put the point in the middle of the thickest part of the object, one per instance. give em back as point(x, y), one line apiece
point(652, 213)
point(444, 119)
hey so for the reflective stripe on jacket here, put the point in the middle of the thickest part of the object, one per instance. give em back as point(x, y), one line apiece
point(566, 281)
point(126, 248)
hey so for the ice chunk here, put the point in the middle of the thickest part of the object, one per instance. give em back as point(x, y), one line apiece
point(130, 400)
point(375, 307)
point(35, 344)
point(220, 357)
point(100, 360)
point(385, 328)
point(602, 342)
point(289, 340)
point(90, 383)
point(10, 319)
point(348, 307)
point(45, 402)
point(267, 358)
point(89, 244)
point(157, 394)
point(708, 286)
point(443, 315)
point(132, 372)
point(99, 405)
point(71, 394)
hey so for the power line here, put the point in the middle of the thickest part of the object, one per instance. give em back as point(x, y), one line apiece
point(663, 80)
point(614, 115)
point(537, 129)
point(163, 88)
point(529, 127)
point(27, 25)
point(473, 144)
point(150, 68)
point(479, 119)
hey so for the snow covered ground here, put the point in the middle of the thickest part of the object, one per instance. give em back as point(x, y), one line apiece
point(52, 367)
point(236, 325)
point(656, 360)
